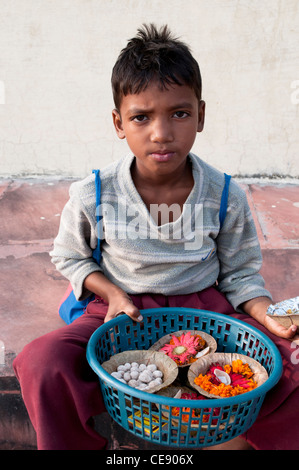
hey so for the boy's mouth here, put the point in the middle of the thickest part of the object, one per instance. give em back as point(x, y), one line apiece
point(162, 156)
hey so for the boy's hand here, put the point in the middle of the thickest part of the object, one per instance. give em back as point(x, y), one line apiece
point(257, 308)
point(122, 304)
point(279, 330)
point(118, 301)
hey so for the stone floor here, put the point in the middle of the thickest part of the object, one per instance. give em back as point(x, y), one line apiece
point(31, 287)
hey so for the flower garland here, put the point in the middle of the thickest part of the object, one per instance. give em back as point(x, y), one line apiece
point(240, 376)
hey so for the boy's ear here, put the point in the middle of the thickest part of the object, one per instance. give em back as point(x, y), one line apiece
point(201, 115)
point(118, 124)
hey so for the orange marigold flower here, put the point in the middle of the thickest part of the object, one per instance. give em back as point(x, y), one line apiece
point(241, 382)
point(240, 368)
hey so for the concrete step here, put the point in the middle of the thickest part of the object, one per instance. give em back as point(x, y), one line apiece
point(31, 287)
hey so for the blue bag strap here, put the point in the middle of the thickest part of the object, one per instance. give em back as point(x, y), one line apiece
point(224, 198)
point(97, 252)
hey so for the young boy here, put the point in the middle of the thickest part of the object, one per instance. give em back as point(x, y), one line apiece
point(175, 262)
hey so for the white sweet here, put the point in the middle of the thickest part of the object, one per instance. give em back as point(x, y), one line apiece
point(139, 376)
point(134, 383)
point(155, 382)
point(134, 374)
point(145, 376)
point(142, 386)
point(127, 376)
point(117, 375)
point(151, 384)
point(157, 373)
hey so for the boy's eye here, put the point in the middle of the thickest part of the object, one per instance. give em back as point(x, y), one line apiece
point(139, 118)
point(181, 114)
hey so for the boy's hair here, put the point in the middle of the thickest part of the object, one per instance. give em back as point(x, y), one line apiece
point(154, 55)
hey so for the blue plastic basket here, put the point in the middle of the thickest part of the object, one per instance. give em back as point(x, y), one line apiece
point(149, 415)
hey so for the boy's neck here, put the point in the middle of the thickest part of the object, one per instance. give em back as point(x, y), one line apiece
point(182, 175)
point(167, 189)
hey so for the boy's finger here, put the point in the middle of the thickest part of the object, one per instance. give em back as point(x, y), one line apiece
point(131, 312)
point(279, 330)
point(134, 314)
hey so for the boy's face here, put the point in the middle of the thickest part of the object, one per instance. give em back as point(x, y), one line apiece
point(160, 126)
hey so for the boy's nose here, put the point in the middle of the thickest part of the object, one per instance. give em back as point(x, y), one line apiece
point(161, 131)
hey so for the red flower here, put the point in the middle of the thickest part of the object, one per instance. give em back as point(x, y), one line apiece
point(239, 379)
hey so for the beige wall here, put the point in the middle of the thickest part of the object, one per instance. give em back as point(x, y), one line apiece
point(55, 65)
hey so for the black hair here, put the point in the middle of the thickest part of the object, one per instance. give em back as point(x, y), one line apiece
point(154, 55)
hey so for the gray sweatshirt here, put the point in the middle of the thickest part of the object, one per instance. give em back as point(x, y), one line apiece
point(181, 257)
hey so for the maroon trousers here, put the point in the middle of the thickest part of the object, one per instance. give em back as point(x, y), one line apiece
point(62, 393)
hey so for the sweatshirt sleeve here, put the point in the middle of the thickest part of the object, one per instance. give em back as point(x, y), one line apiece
point(76, 239)
point(239, 253)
